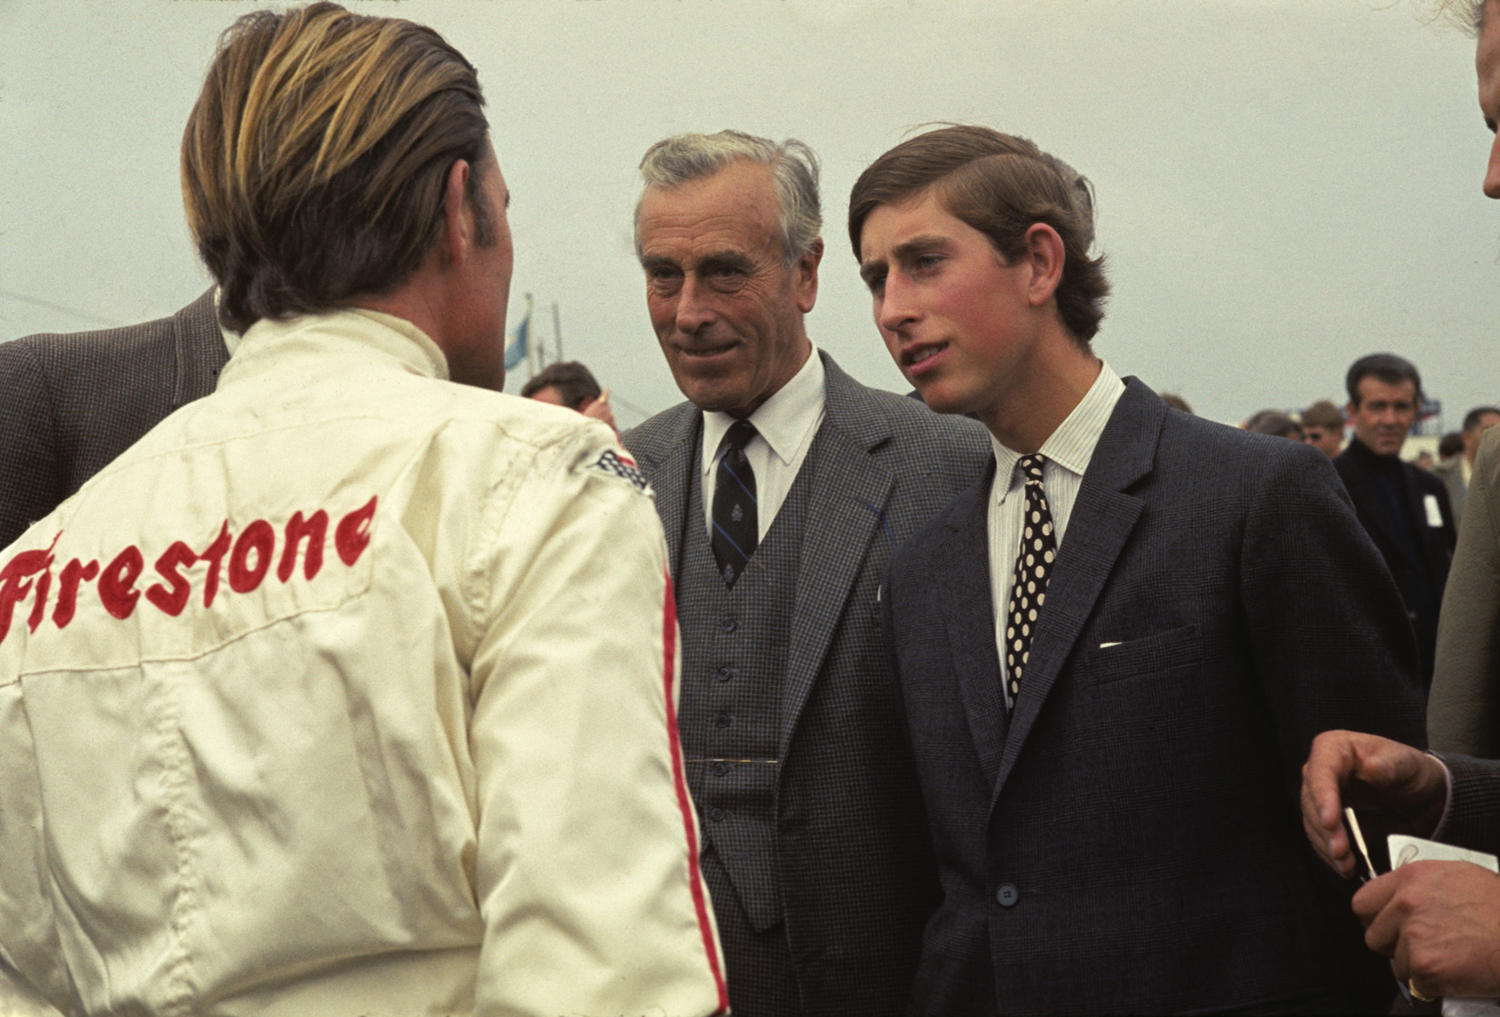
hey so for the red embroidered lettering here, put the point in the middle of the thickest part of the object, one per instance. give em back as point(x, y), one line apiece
point(169, 566)
point(214, 554)
point(257, 537)
point(353, 533)
point(117, 582)
point(39, 608)
point(15, 581)
point(67, 589)
point(316, 532)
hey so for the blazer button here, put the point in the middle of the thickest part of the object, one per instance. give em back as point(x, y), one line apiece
point(1007, 895)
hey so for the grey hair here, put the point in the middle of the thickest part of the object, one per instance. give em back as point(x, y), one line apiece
point(677, 160)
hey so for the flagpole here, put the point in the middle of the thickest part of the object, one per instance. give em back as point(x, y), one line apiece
point(531, 367)
point(556, 331)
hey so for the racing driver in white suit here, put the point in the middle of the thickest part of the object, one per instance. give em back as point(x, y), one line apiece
point(349, 689)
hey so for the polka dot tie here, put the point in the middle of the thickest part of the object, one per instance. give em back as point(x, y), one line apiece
point(735, 530)
point(1028, 586)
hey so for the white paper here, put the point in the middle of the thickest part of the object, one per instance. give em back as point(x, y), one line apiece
point(1414, 849)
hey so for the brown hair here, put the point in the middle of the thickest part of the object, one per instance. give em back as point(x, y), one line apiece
point(573, 381)
point(1324, 414)
point(1000, 185)
point(315, 160)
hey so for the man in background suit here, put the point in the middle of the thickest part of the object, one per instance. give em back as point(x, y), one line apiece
point(784, 485)
point(1116, 647)
point(1404, 509)
point(74, 402)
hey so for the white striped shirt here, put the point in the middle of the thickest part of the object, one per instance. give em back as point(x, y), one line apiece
point(1068, 451)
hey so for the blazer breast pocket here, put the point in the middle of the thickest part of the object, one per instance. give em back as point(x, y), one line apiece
point(1161, 651)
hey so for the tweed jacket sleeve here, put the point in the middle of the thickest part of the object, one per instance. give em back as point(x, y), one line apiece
point(30, 483)
point(73, 402)
point(1463, 709)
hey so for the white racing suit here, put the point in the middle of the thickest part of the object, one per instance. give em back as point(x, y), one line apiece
point(349, 690)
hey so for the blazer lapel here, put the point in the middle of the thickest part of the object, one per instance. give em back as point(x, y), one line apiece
point(962, 563)
point(668, 461)
point(846, 515)
point(1102, 520)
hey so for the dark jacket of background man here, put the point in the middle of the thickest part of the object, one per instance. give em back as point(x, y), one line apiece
point(73, 402)
point(1416, 551)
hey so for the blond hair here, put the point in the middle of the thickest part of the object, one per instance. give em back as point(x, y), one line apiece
point(315, 160)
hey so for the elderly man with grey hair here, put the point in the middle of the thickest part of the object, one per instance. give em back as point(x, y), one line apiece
point(784, 485)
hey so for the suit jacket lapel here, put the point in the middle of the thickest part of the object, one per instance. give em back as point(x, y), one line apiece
point(1102, 520)
point(961, 562)
point(668, 463)
point(845, 515)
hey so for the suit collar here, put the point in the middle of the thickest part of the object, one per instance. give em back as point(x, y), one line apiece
point(198, 346)
point(1103, 518)
point(665, 447)
point(850, 489)
point(961, 561)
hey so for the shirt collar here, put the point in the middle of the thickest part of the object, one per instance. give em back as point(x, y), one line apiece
point(1072, 445)
point(784, 420)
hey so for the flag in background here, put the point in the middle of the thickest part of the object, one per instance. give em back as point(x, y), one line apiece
point(515, 350)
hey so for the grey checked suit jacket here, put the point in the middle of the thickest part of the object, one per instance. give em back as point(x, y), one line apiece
point(853, 852)
point(69, 404)
point(1129, 841)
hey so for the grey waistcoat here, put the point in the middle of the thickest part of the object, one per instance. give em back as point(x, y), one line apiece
point(734, 647)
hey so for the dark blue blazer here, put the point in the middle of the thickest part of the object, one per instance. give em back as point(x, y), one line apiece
point(1130, 840)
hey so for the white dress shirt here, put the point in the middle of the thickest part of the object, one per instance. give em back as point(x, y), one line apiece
point(784, 426)
point(1068, 451)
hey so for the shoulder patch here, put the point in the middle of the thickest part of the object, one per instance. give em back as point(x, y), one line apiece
point(612, 463)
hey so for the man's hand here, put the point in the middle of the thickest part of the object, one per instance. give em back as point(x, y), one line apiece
point(1440, 923)
point(1346, 768)
point(599, 409)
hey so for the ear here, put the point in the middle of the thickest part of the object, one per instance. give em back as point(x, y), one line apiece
point(1045, 255)
point(458, 215)
point(805, 276)
point(1350, 409)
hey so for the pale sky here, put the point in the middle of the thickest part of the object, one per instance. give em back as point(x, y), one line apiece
point(1282, 186)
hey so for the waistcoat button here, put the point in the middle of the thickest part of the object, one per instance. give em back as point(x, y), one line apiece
point(720, 769)
point(726, 673)
point(716, 814)
point(722, 720)
point(729, 624)
point(1007, 895)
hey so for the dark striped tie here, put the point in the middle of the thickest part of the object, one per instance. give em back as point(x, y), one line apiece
point(735, 531)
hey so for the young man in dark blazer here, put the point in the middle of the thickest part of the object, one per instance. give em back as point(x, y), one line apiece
point(74, 402)
point(1116, 647)
point(815, 847)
